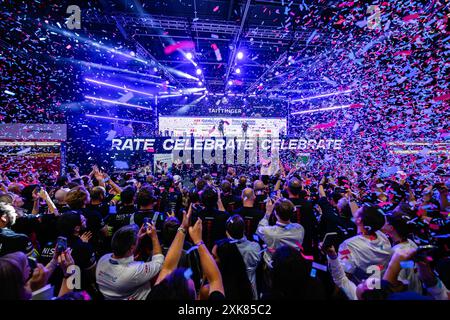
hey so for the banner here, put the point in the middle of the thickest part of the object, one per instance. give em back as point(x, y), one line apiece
point(33, 132)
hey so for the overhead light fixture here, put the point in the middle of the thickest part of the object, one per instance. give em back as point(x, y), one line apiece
point(240, 55)
point(198, 71)
point(189, 56)
point(238, 70)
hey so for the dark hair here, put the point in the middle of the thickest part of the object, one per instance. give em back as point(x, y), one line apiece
point(127, 195)
point(378, 294)
point(209, 197)
point(335, 196)
point(12, 280)
point(201, 183)
point(284, 208)
point(372, 218)
point(61, 181)
point(67, 223)
point(169, 230)
point(235, 226)
point(400, 224)
point(145, 197)
point(234, 272)
point(123, 239)
point(97, 193)
point(291, 276)
point(174, 287)
point(225, 186)
point(295, 186)
point(76, 198)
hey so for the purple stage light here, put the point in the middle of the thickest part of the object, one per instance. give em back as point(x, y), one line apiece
point(117, 87)
point(118, 102)
point(198, 71)
point(117, 119)
point(238, 70)
point(240, 55)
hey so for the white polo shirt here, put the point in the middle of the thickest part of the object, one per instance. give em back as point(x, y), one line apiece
point(126, 279)
point(358, 253)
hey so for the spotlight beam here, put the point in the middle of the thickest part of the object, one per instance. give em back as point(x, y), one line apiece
point(118, 87)
point(118, 102)
point(117, 119)
point(320, 110)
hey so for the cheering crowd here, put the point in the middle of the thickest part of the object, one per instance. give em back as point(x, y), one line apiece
point(224, 232)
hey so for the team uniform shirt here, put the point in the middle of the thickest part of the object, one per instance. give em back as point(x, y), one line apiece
point(126, 279)
point(279, 235)
point(409, 276)
point(11, 241)
point(359, 253)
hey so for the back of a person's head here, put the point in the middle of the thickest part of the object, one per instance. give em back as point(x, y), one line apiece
point(242, 181)
point(372, 218)
point(13, 277)
point(295, 186)
point(6, 198)
point(174, 287)
point(60, 195)
point(123, 239)
point(225, 186)
point(248, 194)
point(145, 197)
point(61, 181)
point(284, 209)
point(200, 184)
point(335, 196)
point(400, 223)
point(98, 193)
point(127, 195)
point(68, 222)
point(169, 230)
point(8, 210)
point(233, 270)
point(235, 227)
point(258, 185)
point(209, 197)
point(77, 198)
point(290, 274)
point(15, 188)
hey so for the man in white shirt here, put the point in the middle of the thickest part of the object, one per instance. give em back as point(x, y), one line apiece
point(370, 250)
point(283, 232)
point(398, 229)
point(119, 277)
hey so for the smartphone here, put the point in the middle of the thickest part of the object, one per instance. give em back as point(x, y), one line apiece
point(32, 262)
point(329, 240)
point(61, 245)
point(155, 217)
point(147, 222)
point(423, 252)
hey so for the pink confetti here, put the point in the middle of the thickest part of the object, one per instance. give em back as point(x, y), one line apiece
point(179, 45)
